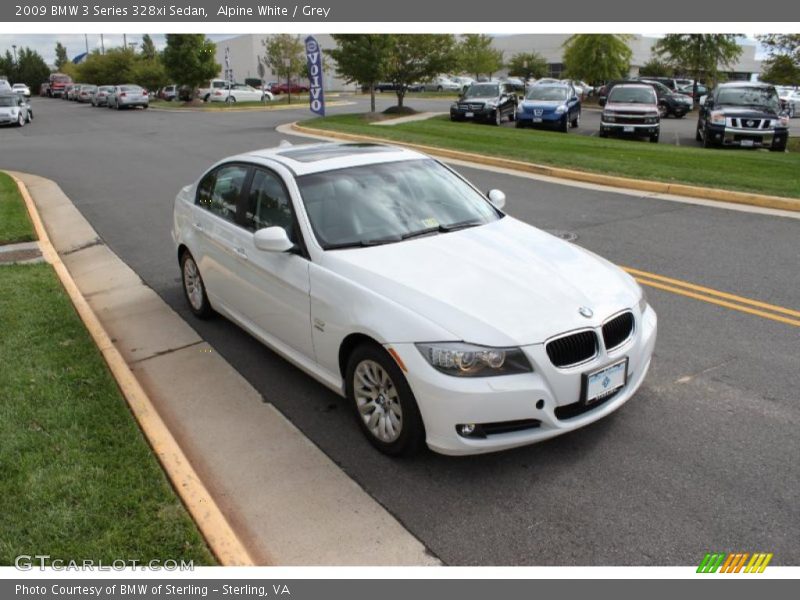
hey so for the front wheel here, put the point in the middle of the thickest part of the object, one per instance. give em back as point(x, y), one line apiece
point(603, 133)
point(193, 287)
point(576, 121)
point(230, 100)
point(383, 402)
point(498, 116)
point(21, 120)
point(564, 125)
point(654, 138)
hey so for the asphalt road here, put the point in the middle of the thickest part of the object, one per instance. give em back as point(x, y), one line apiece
point(703, 458)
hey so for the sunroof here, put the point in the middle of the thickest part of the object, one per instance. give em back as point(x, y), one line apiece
point(316, 153)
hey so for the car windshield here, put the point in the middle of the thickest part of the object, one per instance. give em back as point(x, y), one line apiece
point(633, 95)
point(749, 96)
point(130, 88)
point(7, 101)
point(390, 202)
point(483, 90)
point(543, 92)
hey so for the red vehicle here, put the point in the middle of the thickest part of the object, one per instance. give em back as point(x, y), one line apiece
point(283, 88)
point(58, 81)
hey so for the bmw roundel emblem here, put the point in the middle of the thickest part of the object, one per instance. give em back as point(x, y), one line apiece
point(586, 312)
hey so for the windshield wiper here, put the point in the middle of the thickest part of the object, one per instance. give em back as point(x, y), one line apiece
point(362, 243)
point(419, 232)
point(459, 225)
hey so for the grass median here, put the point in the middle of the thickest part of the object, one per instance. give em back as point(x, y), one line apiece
point(79, 480)
point(15, 226)
point(300, 101)
point(754, 171)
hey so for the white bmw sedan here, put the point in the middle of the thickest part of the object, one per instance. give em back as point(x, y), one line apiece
point(392, 280)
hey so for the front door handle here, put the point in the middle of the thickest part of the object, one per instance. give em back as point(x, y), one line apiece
point(240, 252)
point(198, 226)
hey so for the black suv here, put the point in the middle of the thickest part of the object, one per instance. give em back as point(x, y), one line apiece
point(490, 101)
point(669, 102)
point(748, 115)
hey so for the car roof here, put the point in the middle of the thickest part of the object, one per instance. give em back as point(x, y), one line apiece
point(745, 84)
point(304, 159)
point(634, 85)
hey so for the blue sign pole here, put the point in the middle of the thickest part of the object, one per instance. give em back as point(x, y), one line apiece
point(316, 94)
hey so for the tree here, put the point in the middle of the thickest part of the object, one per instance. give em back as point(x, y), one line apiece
point(527, 65)
point(115, 66)
point(656, 68)
point(149, 73)
point(189, 59)
point(477, 56)
point(31, 69)
point(418, 57)
point(781, 70)
point(597, 57)
point(61, 56)
point(700, 54)
point(285, 56)
point(362, 58)
point(7, 65)
point(787, 44)
point(148, 47)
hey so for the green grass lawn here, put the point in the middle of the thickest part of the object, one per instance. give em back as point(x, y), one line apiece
point(15, 226)
point(77, 478)
point(744, 170)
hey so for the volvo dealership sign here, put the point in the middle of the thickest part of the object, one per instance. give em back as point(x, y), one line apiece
point(315, 92)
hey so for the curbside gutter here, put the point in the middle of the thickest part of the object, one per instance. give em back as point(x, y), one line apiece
point(220, 537)
point(679, 189)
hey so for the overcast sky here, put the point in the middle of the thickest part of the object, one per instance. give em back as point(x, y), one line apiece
point(76, 43)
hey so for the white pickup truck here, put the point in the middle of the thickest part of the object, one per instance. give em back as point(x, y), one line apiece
point(204, 92)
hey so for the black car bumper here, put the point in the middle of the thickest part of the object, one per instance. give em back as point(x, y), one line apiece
point(630, 129)
point(478, 114)
point(747, 138)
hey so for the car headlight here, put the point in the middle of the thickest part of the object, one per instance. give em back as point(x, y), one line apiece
point(561, 110)
point(491, 104)
point(784, 121)
point(469, 360)
point(609, 117)
point(717, 118)
point(651, 120)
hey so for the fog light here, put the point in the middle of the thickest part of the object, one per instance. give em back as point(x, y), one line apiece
point(467, 429)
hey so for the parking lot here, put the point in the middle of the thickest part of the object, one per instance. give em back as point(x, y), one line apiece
point(703, 458)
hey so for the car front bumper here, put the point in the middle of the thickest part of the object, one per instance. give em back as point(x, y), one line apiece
point(734, 136)
point(551, 118)
point(446, 401)
point(630, 128)
point(482, 113)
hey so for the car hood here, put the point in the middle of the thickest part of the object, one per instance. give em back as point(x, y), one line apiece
point(7, 110)
point(479, 99)
point(737, 111)
point(502, 284)
point(543, 103)
point(631, 107)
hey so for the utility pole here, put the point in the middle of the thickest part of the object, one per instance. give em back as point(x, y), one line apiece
point(124, 41)
point(86, 39)
point(102, 44)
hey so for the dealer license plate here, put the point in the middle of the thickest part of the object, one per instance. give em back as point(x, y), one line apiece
point(537, 119)
point(746, 143)
point(628, 129)
point(469, 114)
point(606, 381)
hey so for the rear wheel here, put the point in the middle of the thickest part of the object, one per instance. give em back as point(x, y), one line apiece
point(230, 100)
point(383, 402)
point(193, 287)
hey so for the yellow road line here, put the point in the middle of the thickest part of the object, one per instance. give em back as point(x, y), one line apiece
point(726, 304)
point(712, 292)
point(216, 530)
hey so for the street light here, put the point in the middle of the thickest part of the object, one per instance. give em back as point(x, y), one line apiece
point(16, 67)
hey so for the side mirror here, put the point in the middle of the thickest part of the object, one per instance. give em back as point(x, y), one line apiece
point(497, 198)
point(272, 239)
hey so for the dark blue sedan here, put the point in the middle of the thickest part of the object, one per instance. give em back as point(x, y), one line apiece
point(554, 105)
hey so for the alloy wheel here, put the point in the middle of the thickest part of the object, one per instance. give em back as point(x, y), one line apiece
point(378, 401)
point(193, 284)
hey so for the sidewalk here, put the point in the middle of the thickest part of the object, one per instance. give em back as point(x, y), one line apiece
point(287, 501)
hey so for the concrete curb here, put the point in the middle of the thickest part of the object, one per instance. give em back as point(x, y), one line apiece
point(761, 200)
point(218, 534)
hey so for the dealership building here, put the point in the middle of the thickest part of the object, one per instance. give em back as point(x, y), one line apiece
point(243, 54)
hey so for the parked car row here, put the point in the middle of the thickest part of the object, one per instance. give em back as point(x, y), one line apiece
point(112, 96)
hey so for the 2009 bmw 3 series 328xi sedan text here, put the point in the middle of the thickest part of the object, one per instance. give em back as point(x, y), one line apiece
point(392, 280)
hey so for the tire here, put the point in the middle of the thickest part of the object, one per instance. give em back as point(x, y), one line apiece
point(145, 107)
point(563, 126)
point(663, 111)
point(30, 116)
point(654, 138)
point(576, 121)
point(778, 148)
point(707, 143)
point(603, 133)
point(194, 290)
point(439, 89)
point(230, 100)
point(698, 137)
point(118, 106)
point(498, 117)
point(519, 124)
point(206, 97)
point(21, 120)
point(382, 401)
